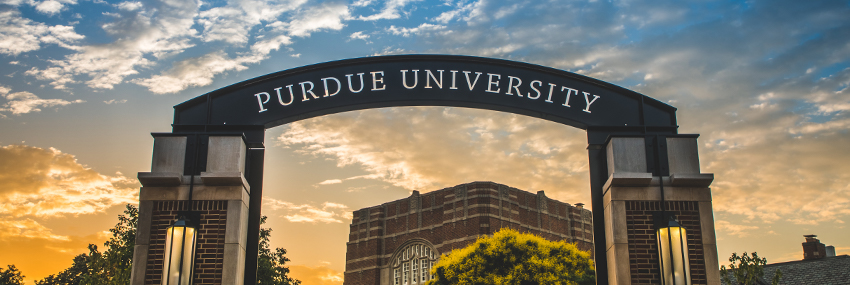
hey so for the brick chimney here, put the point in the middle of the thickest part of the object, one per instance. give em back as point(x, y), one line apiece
point(813, 248)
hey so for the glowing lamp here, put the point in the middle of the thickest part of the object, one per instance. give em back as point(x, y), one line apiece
point(179, 253)
point(673, 252)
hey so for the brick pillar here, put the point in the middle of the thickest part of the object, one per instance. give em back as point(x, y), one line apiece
point(632, 195)
point(220, 197)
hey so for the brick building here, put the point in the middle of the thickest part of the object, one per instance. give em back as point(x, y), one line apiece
point(397, 242)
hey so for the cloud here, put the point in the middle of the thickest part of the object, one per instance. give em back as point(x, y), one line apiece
point(49, 183)
point(192, 72)
point(735, 230)
point(233, 23)
point(129, 5)
point(19, 35)
point(325, 16)
point(330, 181)
point(427, 148)
point(26, 102)
point(52, 7)
point(391, 10)
point(338, 181)
point(27, 228)
point(113, 101)
point(423, 28)
point(830, 126)
point(147, 33)
point(200, 71)
point(461, 8)
point(359, 36)
point(157, 29)
point(319, 275)
point(329, 212)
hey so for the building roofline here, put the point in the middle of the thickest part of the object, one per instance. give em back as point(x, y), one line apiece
point(806, 260)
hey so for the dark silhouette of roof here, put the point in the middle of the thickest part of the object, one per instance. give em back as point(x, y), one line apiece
point(824, 271)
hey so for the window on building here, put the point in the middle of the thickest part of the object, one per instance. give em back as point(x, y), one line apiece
point(406, 270)
point(412, 264)
point(424, 274)
point(415, 270)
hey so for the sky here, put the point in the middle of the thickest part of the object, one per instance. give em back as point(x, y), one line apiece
point(84, 83)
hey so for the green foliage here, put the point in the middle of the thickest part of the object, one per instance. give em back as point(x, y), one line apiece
point(11, 276)
point(271, 268)
point(510, 257)
point(111, 267)
point(747, 271)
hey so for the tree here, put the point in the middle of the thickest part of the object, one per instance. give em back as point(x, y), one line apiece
point(747, 271)
point(271, 268)
point(11, 276)
point(510, 257)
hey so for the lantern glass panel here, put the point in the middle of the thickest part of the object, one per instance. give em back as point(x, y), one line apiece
point(179, 253)
point(673, 250)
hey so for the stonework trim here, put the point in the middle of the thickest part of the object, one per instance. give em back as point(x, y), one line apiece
point(701, 194)
point(200, 192)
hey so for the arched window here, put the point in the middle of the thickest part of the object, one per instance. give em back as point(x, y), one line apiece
point(412, 263)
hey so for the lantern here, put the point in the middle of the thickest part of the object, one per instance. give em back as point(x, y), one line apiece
point(179, 252)
point(673, 252)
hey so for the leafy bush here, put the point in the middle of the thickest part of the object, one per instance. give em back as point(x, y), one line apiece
point(510, 257)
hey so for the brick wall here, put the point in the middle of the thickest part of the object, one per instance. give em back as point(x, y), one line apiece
point(453, 218)
point(209, 255)
point(643, 245)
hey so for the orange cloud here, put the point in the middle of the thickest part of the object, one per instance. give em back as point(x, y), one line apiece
point(735, 229)
point(47, 182)
point(329, 212)
point(319, 275)
point(27, 228)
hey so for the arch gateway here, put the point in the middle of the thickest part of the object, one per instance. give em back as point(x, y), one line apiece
point(208, 172)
